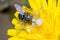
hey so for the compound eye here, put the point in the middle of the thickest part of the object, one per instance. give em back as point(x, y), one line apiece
point(20, 16)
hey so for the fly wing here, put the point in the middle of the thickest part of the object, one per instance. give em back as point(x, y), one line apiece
point(35, 19)
point(18, 8)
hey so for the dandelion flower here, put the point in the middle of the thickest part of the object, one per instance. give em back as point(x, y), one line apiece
point(48, 11)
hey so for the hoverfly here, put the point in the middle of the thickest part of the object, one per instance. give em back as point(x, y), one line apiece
point(26, 17)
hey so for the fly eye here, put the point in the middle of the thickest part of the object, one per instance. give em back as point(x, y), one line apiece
point(20, 16)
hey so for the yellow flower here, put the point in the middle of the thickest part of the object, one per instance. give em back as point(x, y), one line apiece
point(48, 11)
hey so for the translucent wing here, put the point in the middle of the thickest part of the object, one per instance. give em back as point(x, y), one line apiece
point(36, 19)
point(18, 8)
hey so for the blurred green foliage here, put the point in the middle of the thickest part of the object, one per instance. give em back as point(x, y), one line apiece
point(24, 2)
point(4, 4)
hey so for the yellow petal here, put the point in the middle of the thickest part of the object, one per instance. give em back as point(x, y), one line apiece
point(39, 3)
point(28, 28)
point(16, 14)
point(34, 4)
point(34, 36)
point(23, 34)
point(12, 32)
point(52, 4)
point(27, 10)
point(15, 21)
point(29, 36)
point(58, 5)
point(15, 38)
point(19, 26)
point(44, 4)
